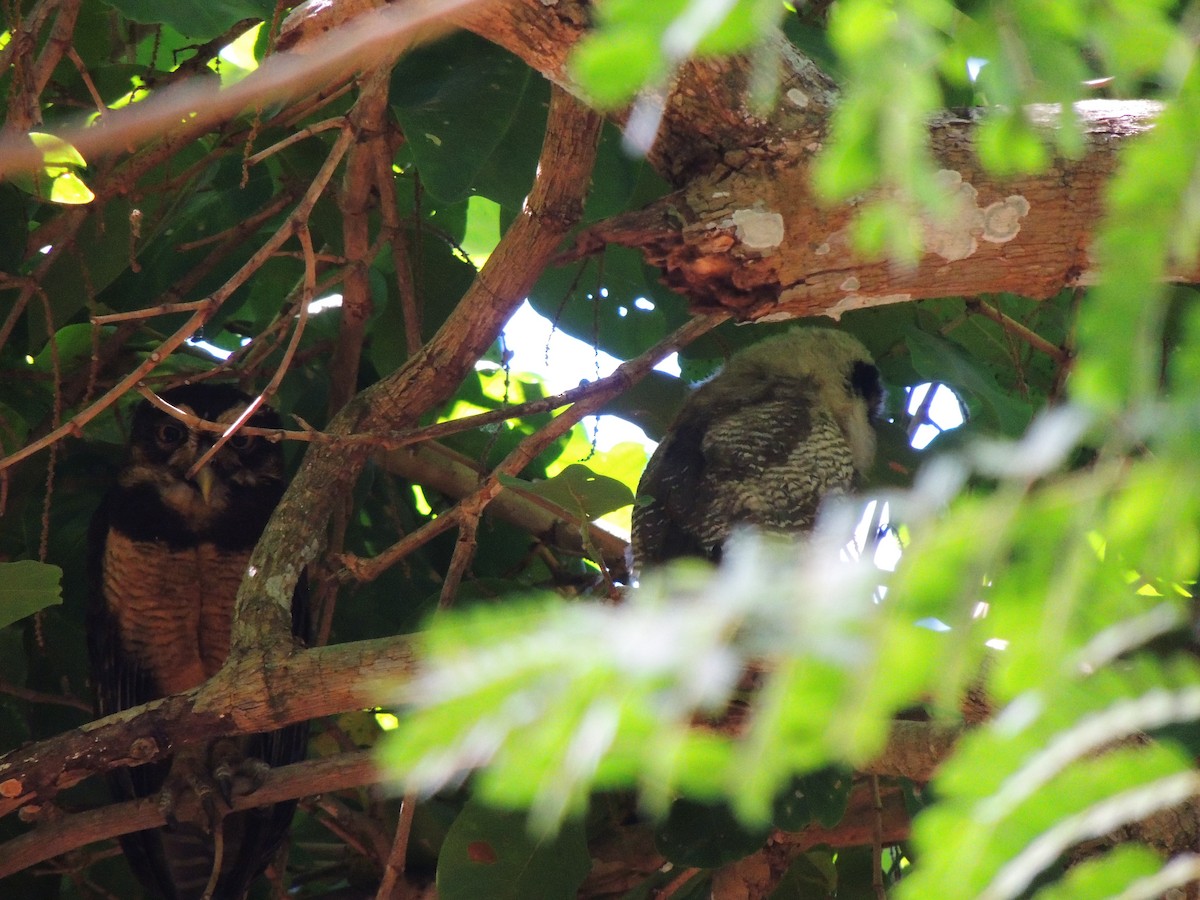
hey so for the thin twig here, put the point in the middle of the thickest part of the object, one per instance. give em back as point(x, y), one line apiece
point(23, 693)
point(1024, 332)
point(626, 375)
point(204, 311)
point(401, 255)
point(62, 33)
point(393, 870)
point(464, 552)
point(673, 886)
point(294, 138)
point(361, 42)
point(877, 840)
point(149, 312)
point(234, 235)
point(73, 56)
point(310, 280)
point(370, 569)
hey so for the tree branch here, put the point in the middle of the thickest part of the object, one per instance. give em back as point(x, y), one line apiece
point(294, 536)
point(66, 833)
point(355, 769)
point(252, 694)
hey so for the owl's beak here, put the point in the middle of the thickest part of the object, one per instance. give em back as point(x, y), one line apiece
point(205, 479)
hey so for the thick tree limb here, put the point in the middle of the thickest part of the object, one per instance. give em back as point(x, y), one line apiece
point(173, 722)
point(70, 832)
point(752, 237)
point(254, 693)
point(745, 231)
point(294, 536)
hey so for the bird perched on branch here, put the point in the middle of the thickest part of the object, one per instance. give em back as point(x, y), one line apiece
point(786, 423)
point(167, 552)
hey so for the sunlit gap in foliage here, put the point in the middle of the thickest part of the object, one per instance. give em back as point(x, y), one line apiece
point(387, 721)
point(320, 305)
point(421, 502)
point(940, 413)
point(563, 362)
point(237, 60)
point(218, 353)
point(874, 535)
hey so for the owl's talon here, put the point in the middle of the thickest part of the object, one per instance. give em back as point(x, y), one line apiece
point(189, 795)
point(234, 774)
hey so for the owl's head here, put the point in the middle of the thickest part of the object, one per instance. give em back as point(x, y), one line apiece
point(841, 369)
point(163, 450)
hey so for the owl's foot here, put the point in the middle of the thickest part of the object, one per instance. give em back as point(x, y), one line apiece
point(203, 782)
point(235, 773)
point(190, 794)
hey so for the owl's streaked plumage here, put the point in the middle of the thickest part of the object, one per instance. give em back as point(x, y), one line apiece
point(786, 423)
point(166, 557)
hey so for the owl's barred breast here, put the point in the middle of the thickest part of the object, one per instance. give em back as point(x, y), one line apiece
point(773, 493)
point(785, 425)
point(176, 606)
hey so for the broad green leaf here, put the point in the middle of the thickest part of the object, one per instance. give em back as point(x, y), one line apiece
point(489, 853)
point(69, 189)
point(456, 100)
point(611, 301)
point(818, 797)
point(635, 43)
point(1105, 876)
point(198, 21)
point(579, 489)
point(56, 151)
point(705, 835)
point(26, 587)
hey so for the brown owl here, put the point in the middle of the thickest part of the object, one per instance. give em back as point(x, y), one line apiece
point(167, 554)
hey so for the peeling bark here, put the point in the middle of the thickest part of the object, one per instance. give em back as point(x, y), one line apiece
point(752, 237)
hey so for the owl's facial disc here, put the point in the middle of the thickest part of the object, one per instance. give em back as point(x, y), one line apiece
point(197, 500)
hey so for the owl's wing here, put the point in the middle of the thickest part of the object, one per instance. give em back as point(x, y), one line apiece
point(702, 479)
point(761, 453)
point(118, 683)
point(668, 497)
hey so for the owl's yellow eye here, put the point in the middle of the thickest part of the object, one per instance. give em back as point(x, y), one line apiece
point(169, 434)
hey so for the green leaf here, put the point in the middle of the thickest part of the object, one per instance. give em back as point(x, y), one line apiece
point(56, 151)
point(705, 835)
point(69, 189)
point(820, 796)
point(579, 489)
point(456, 100)
point(27, 587)
point(1056, 769)
point(198, 21)
point(489, 853)
point(636, 43)
point(612, 301)
point(612, 67)
point(1110, 875)
point(72, 345)
point(1007, 143)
